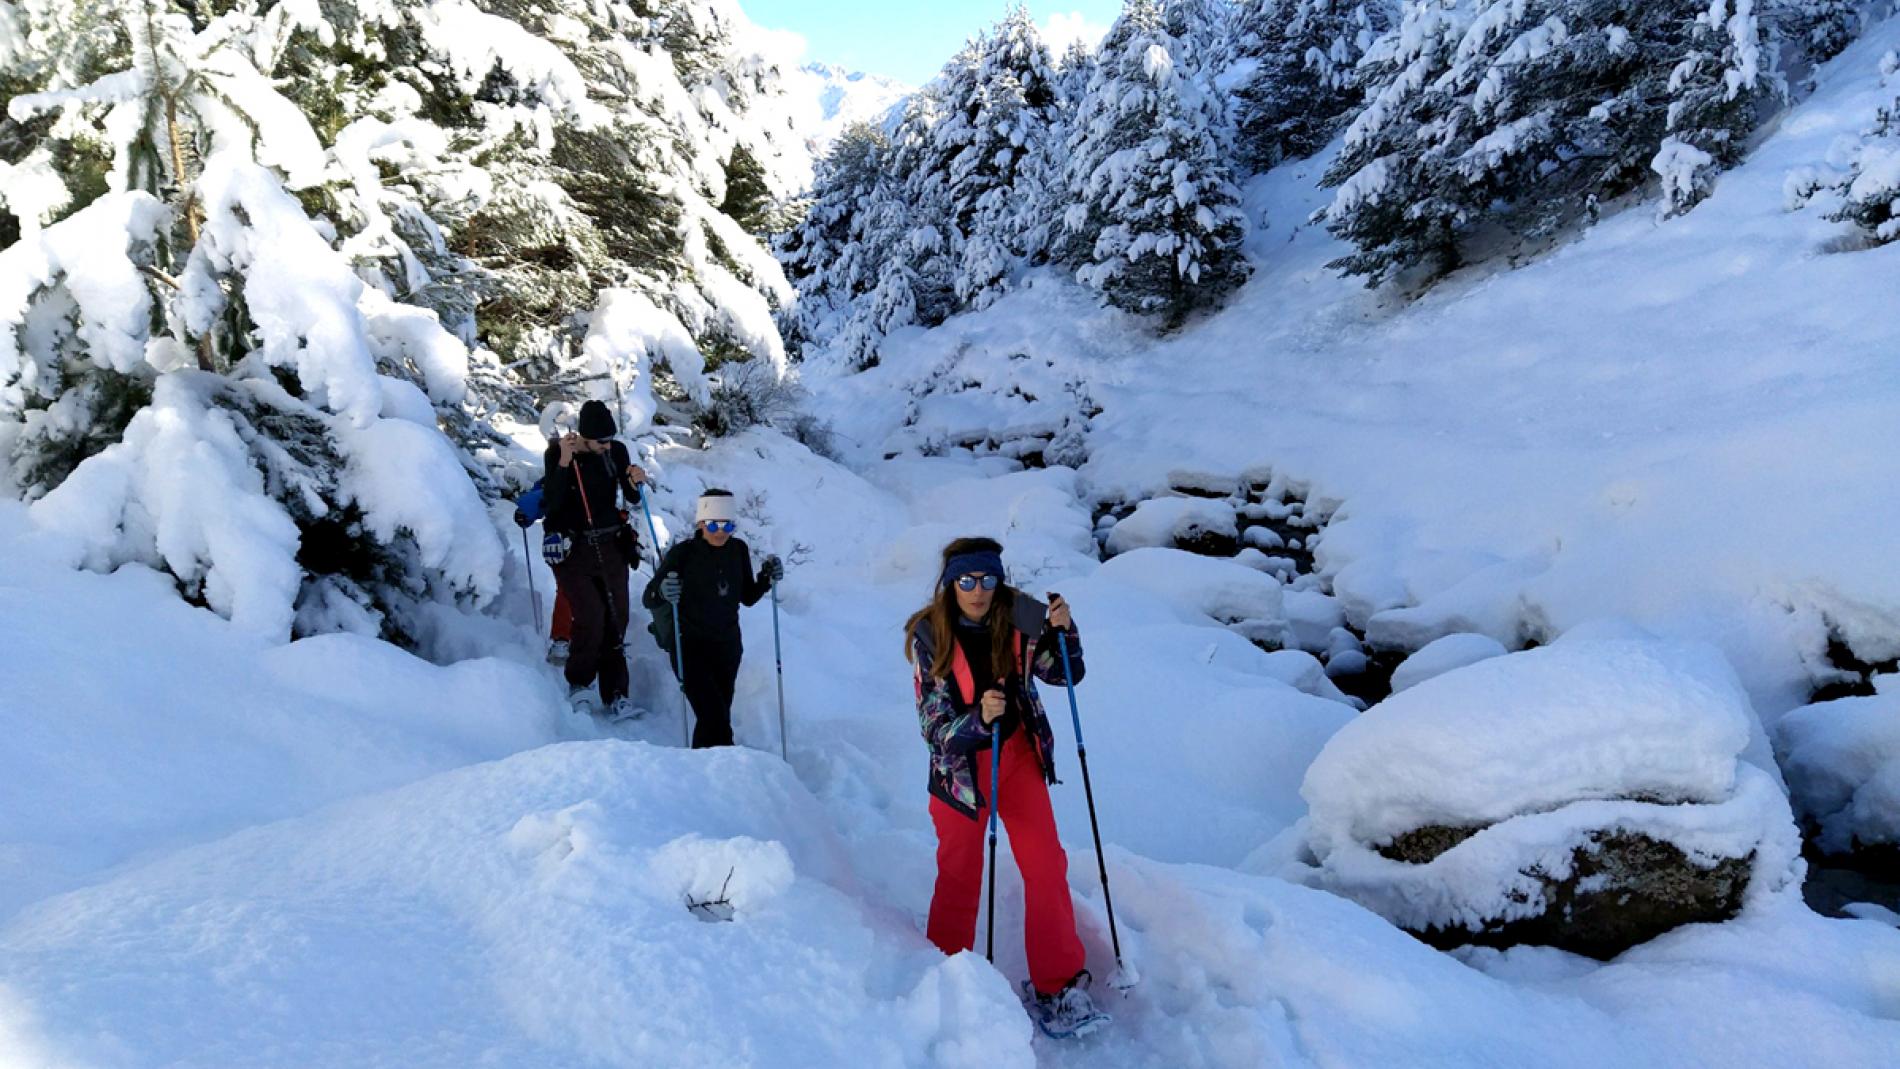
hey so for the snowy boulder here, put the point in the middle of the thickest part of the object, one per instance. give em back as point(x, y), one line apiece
point(1201, 586)
point(1590, 795)
point(1842, 759)
point(1196, 524)
point(1445, 655)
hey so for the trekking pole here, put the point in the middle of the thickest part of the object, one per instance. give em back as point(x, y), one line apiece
point(679, 635)
point(778, 658)
point(527, 561)
point(1101, 863)
point(996, 749)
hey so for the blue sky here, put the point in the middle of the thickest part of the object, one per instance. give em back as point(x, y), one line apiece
point(911, 39)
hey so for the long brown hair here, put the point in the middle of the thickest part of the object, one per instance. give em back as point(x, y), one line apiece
point(942, 613)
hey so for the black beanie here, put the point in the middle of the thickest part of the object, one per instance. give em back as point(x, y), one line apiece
point(596, 422)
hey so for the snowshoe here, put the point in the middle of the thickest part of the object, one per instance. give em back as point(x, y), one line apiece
point(1067, 1013)
point(584, 701)
point(557, 652)
point(623, 708)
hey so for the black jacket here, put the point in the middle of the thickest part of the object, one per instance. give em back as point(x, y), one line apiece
point(603, 475)
point(714, 582)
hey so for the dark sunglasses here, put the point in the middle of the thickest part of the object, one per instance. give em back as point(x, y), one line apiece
point(967, 583)
point(721, 526)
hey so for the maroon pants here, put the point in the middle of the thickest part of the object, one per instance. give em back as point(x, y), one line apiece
point(1055, 951)
point(594, 579)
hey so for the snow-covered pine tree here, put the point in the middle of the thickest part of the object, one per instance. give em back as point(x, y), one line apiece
point(1296, 73)
point(1817, 30)
point(1048, 160)
point(1154, 221)
point(1204, 30)
point(875, 253)
point(918, 227)
point(190, 374)
point(993, 187)
point(1073, 72)
point(936, 218)
point(829, 255)
point(1516, 117)
point(572, 185)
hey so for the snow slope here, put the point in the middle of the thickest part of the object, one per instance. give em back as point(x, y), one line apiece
point(478, 890)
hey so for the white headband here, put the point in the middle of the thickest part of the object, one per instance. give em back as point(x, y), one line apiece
point(716, 508)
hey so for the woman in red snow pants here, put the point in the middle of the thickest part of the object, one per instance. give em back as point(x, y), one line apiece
point(972, 668)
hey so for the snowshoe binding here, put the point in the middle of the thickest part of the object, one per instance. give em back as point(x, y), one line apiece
point(1067, 1013)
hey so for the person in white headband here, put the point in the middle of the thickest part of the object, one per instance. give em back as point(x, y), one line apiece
point(699, 587)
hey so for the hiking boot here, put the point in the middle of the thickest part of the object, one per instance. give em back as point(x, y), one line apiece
point(557, 652)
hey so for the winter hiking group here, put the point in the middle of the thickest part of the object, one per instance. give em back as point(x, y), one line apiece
point(975, 652)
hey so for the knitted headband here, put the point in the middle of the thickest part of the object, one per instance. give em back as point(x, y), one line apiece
point(716, 507)
point(972, 564)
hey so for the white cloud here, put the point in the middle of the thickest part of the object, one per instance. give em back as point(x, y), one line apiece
point(1063, 29)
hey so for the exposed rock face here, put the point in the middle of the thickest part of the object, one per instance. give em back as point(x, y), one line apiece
point(1624, 889)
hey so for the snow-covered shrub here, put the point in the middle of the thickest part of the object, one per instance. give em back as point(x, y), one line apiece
point(1154, 221)
point(749, 394)
point(1842, 759)
point(1296, 73)
point(1861, 182)
point(1522, 115)
point(1591, 794)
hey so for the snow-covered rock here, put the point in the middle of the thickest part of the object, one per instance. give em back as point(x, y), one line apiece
point(1842, 759)
point(1444, 655)
point(1188, 522)
point(1200, 586)
point(1590, 794)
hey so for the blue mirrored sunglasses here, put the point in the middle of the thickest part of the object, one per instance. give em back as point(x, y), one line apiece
point(721, 526)
point(967, 583)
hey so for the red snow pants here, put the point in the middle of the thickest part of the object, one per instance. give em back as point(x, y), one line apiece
point(561, 628)
point(1054, 950)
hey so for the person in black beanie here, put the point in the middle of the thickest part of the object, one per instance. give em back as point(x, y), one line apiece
point(586, 471)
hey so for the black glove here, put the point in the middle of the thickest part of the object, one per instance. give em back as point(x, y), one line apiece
point(772, 570)
point(522, 521)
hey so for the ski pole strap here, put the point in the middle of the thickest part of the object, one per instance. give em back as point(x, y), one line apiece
point(1068, 677)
